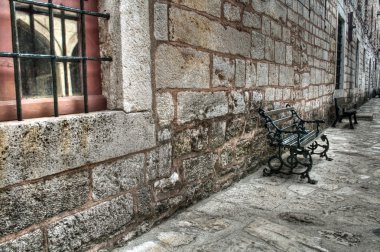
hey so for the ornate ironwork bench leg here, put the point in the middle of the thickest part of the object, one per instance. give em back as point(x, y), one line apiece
point(325, 147)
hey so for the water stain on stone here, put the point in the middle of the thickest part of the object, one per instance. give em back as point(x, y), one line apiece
point(341, 237)
point(301, 218)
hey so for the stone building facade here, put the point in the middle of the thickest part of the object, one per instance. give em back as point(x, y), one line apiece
point(183, 89)
point(361, 43)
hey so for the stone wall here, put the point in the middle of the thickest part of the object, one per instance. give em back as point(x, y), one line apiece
point(361, 74)
point(183, 90)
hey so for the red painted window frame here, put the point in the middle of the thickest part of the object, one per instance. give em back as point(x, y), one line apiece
point(43, 107)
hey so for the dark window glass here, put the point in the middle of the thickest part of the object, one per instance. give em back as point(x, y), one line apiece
point(34, 38)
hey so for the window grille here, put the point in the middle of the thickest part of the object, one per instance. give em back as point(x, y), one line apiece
point(52, 11)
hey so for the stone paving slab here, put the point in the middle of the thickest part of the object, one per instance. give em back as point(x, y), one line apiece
point(340, 213)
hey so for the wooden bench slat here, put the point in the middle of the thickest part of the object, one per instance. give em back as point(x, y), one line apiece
point(292, 140)
point(288, 127)
point(277, 111)
point(278, 121)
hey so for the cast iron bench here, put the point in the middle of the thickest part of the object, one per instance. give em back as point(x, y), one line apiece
point(344, 108)
point(287, 132)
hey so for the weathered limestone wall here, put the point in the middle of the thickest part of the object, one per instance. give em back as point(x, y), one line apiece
point(360, 74)
point(184, 86)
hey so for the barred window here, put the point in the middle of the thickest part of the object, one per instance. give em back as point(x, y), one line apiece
point(49, 58)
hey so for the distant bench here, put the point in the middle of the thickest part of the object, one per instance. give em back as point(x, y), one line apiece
point(287, 131)
point(345, 108)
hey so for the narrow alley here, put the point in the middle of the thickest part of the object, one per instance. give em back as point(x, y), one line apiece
point(339, 213)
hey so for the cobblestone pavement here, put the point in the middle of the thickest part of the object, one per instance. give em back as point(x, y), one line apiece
point(340, 213)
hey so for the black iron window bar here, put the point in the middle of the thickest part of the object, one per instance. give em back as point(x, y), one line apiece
point(16, 55)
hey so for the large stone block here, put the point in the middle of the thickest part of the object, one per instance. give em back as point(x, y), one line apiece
point(273, 74)
point(26, 205)
point(262, 74)
point(240, 73)
point(275, 9)
point(231, 12)
point(212, 7)
point(118, 176)
point(197, 30)
point(79, 231)
point(165, 108)
point(234, 128)
point(199, 167)
point(269, 49)
point(37, 148)
point(30, 242)
point(251, 20)
point(237, 102)
point(178, 67)
point(258, 45)
point(159, 162)
point(201, 105)
point(223, 72)
point(161, 31)
point(289, 55)
point(276, 31)
point(217, 134)
point(136, 56)
point(280, 52)
point(251, 74)
point(286, 76)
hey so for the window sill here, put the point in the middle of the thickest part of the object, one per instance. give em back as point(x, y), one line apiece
point(43, 107)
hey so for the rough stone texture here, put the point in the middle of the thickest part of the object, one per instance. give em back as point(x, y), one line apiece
point(269, 49)
point(234, 128)
point(251, 20)
point(165, 108)
point(237, 102)
point(126, 37)
point(110, 45)
point(273, 74)
point(258, 45)
point(175, 239)
point(118, 176)
point(30, 242)
point(240, 73)
point(217, 133)
point(26, 205)
point(283, 213)
point(37, 148)
point(251, 74)
point(212, 7)
point(223, 72)
point(286, 76)
point(280, 52)
point(178, 67)
point(198, 30)
point(276, 30)
point(201, 105)
point(164, 135)
point(199, 167)
point(91, 225)
point(231, 12)
point(190, 140)
point(136, 68)
point(262, 74)
point(161, 31)
point(289, 55)
point(159, 162)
